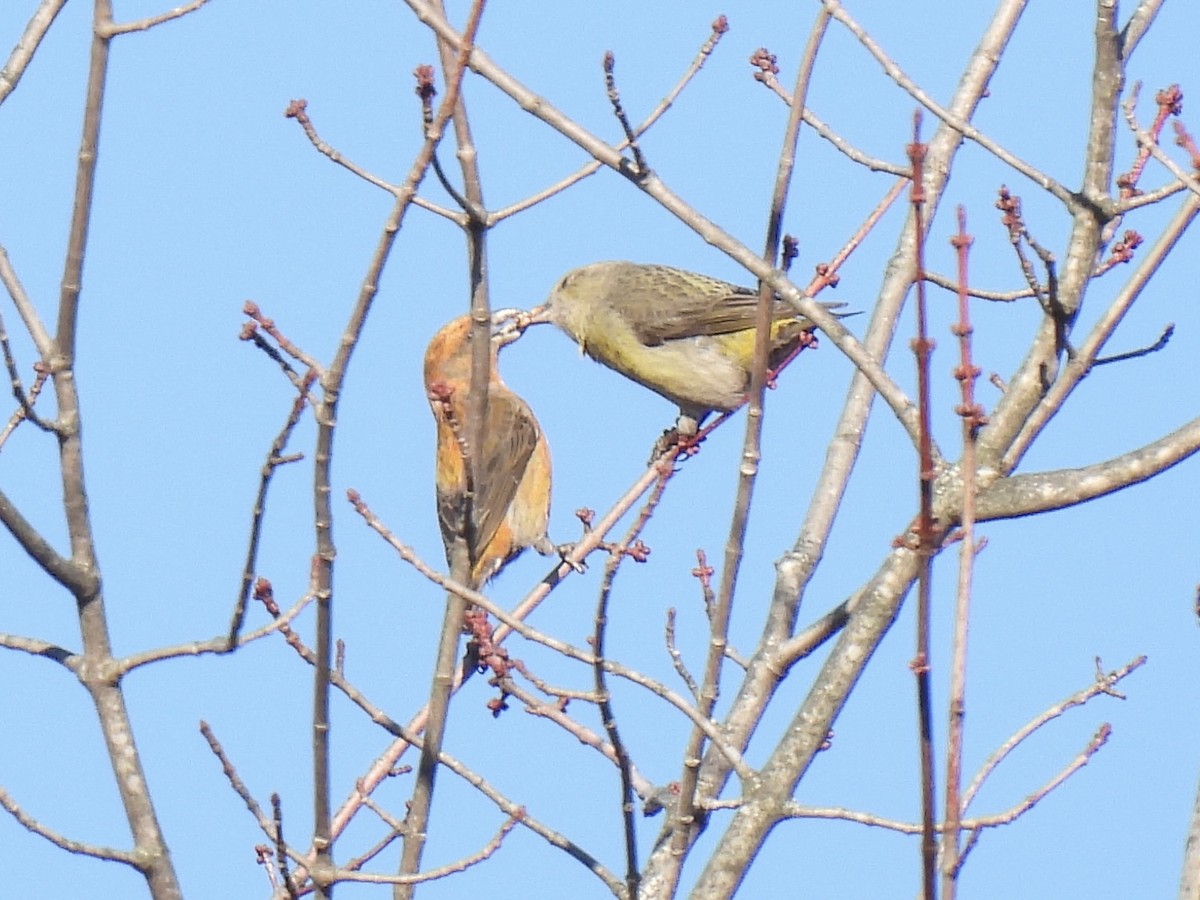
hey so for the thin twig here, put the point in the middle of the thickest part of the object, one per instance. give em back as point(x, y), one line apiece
point(719, 26)
point(29, 823)
point(220, 643)
point(274, 460)
point(19, 415)
point(477, 781)
point(446, 673)
point(1163, 338)
point(1170, 102)
point(686, 820)
point(27, 45)
point(922, 347)
point(607, 716)
point(24, 401)
point(677, 657)
point(965, 128)
point(150, 21)
point(1086, 352)
point(1103, 684)
point(614, 97)
point(767, 71)
point(384, 764)
point(512, 620)
point(967, 373)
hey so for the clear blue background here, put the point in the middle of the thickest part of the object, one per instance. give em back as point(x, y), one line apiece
point(207, 196)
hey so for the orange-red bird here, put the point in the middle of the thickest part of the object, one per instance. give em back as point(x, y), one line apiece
point(508, 506)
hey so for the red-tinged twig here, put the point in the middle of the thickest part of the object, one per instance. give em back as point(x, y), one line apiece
point(922, 347)
point(703, 574)
point(719, 26)
point(1120, 253)
point(1185, 140)
point(973, 418)
point(826, 274)
point(151, 21)
point(1170, 103)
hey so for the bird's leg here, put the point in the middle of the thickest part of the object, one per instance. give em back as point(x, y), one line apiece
point(547, 547)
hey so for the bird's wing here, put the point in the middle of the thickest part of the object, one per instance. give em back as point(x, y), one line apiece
point(508, 443)
point(664, 304)
point(686, 304)
point(707, 314)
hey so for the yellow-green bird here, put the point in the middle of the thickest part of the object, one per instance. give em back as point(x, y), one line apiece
point(685, 336)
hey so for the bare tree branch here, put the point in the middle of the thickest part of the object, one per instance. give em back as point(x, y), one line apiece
point(22, 54)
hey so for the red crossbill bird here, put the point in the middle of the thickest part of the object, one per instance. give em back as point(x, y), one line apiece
point(685, 336)
point(502, 505)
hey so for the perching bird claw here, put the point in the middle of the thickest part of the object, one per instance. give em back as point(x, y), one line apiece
point(678, 441)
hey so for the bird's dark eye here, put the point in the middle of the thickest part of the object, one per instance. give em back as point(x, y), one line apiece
point(566, 280)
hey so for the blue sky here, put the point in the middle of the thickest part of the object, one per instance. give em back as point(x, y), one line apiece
point(207, 196)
